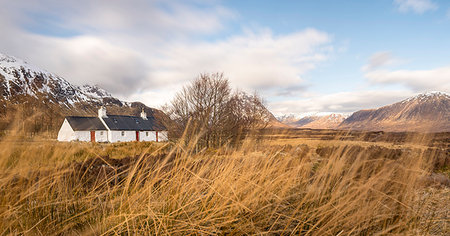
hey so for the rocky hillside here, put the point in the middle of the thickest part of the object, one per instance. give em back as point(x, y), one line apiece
point(428, 112)
point(325, 122)
point(331, 121)
point(287, 119)
point(45, 98)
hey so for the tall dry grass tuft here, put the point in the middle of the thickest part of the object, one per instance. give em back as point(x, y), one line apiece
point(146, 188)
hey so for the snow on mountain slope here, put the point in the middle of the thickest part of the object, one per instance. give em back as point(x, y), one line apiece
point(19, 79)
point(428, 96)
point(288, 119)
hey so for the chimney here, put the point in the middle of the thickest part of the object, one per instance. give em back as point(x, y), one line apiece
point(102, 112)
point(143, 114)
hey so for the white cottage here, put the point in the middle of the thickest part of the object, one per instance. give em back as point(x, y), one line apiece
point(111, 128)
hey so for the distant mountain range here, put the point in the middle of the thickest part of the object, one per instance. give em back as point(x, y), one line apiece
point(427, 112)
point(331, 121)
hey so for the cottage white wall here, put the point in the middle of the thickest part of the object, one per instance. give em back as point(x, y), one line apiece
point(101, 136)
point(116, 136)
point(66, 133)
point(151, 136)
point(84, 136)
point(162, 136)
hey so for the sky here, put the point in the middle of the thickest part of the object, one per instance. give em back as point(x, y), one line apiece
point(303, 57)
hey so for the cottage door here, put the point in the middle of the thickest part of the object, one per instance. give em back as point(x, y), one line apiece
point(137, 136)
point(92, 136)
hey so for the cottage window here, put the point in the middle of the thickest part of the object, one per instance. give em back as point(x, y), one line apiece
point(123, 133)
point(146, 133)
point(101, 132)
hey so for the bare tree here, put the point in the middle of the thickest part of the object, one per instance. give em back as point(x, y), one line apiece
point(208, 108)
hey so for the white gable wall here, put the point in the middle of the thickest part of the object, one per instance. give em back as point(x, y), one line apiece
point(66, 133)
point(108, 132)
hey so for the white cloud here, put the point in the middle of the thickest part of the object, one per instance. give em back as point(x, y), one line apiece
point(416, 6)
point(251, 61)
point(140, 48)
point(110, 43)
point(81, 59)
point(105, 17)
point(417, 80)
point(343, 102)
point(380, 60)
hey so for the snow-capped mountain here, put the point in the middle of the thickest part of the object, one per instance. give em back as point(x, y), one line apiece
point(427, 112)
point(288, 119)
point(38, 92)
point(20, 80)
point(427, 97)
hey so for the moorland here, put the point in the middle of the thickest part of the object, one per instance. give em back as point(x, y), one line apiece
point(315, 182)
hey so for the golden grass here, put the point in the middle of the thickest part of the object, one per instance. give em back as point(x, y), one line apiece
point(261, 187)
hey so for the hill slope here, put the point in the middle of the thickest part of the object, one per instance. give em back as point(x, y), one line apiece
point(325, 122)
point(331, 121)
point(428, 112)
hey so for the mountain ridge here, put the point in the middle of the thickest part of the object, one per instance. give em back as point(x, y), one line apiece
point(425, 112)
point(19, 78)
point(329, 121)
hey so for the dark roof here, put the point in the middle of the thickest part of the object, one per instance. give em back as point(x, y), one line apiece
point(115, 122)
point(80, 123)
